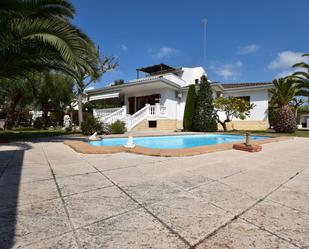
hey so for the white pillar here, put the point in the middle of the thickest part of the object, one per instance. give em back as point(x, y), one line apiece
point(157, 109)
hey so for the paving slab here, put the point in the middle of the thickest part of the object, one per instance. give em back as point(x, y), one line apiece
point(20, 174)
point(65, 241)
point(136, 229)
point(86, 208)
point(61, 170)
point(226, 197)
point(286, 222)
point(149, 192)
point(138, 174)
point(294, 197)
point(121, 160)
point(82, 183)
point(242, 235)
point(191, 217)
point(256, 182)
point(33, 222)
point(26, 193)
point(188, 179)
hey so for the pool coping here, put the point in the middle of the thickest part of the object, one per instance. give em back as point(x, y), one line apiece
point(86, 148)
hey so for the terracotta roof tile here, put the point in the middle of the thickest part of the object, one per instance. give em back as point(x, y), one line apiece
point(247, 84)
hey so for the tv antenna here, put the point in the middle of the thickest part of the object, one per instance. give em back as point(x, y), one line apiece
point(205, 22)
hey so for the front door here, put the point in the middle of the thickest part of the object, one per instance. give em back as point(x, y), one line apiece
point(131, 105)
point(149, 99)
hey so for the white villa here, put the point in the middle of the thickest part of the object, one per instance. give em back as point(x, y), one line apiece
point(157, 100)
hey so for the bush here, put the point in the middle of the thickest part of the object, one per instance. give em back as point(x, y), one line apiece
point(91, 125)
point(189, 109)
point(118, 127)
point(38, 123)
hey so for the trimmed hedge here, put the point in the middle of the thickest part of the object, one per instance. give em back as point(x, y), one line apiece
point(189, 109)
point(205, 119)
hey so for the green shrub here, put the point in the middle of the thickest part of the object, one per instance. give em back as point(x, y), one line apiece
point(189, 109)
point(91, 125)
point(118, 127)
point(38, 123)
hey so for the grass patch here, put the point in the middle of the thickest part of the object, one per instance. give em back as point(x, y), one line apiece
point(29, 133)
point(298, 133)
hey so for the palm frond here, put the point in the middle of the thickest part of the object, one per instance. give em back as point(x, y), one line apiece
point(37, 8)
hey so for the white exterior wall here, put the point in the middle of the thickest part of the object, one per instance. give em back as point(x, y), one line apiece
point(190, 74)
point(181, 105)
point(259, 99)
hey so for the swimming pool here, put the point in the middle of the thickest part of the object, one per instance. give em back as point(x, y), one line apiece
point(175, 142)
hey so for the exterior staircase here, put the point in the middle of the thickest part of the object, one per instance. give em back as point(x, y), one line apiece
point(150, 112)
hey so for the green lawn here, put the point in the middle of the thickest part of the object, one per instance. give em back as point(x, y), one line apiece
point(298, 133)
point(27, 133)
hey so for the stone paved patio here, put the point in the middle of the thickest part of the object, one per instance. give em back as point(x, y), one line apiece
point(53, 197)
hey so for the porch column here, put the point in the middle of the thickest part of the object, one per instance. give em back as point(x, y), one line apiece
point(124, 107)
point(157, 109)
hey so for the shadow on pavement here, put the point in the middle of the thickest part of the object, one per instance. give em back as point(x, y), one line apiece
point(11, 161)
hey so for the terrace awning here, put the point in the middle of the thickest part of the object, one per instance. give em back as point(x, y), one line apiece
point(104, 96)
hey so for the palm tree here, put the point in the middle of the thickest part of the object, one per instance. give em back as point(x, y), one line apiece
point(37, 35)
point(283, 95)
point(302, 77)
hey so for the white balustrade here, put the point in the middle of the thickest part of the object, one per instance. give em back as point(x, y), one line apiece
point(117, 115)
point(111, 115)
point(101, 113)
point(139, 116)
point(152, 110)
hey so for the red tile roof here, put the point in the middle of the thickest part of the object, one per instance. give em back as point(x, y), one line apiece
point(247, 84)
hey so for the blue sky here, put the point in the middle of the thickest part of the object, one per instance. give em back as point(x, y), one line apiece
point(247, 41)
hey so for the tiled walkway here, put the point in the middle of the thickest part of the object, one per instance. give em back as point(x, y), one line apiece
point(53, 197)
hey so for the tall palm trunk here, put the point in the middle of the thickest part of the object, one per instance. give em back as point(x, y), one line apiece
point(80, 105)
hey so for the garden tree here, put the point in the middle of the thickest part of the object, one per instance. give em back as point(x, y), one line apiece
point(302, 77)
point(38, 36)
point(85, 80)
point(53, 92)
point(283, 95)
point(16, 95)
point(189, 109)
point(204, 116)
point(231, 107)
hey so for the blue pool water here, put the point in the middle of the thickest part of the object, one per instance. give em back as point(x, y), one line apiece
point(175, 142)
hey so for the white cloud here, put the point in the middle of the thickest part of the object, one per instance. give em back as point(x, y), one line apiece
point(248, 49)
point(164, 52)
point(231, 71)
point(90, 88)
point(124, 47)
point(286, 59)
